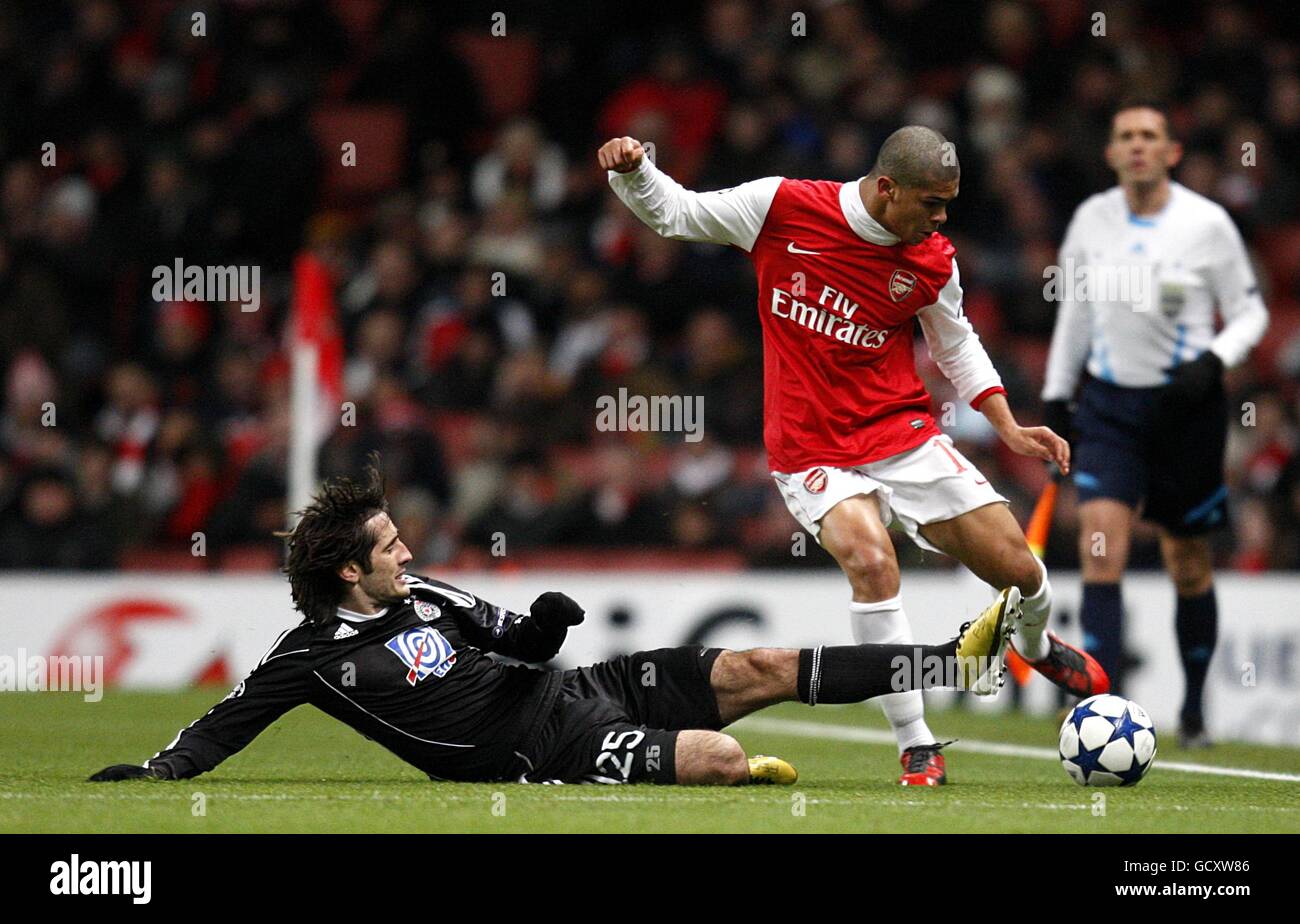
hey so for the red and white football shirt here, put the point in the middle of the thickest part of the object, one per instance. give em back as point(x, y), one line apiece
point(836, 295)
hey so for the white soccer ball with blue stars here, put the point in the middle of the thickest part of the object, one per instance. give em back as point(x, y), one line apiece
point(1107, 740)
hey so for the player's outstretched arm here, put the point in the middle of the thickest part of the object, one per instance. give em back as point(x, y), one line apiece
point(728, 216)
point(533, 637)
point(273, 688)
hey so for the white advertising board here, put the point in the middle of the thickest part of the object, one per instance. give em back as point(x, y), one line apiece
point(165, 631)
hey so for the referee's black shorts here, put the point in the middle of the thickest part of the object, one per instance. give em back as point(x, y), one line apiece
point(1170, 468)
point(617, 721)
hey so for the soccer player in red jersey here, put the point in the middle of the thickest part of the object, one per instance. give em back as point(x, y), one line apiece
point(843, 268)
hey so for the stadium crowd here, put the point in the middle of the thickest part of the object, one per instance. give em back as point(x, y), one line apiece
point(129, 425)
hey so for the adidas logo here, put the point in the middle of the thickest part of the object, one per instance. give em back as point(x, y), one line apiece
point(344, 631)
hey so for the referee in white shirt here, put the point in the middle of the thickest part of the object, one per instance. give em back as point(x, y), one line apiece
point(1150, 261)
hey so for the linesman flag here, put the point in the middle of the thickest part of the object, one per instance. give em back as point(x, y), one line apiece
point(316, 355)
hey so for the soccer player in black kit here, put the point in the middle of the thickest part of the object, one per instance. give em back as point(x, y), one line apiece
point(403, 659)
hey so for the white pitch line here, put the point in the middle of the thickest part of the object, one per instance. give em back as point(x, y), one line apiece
point(801, 729)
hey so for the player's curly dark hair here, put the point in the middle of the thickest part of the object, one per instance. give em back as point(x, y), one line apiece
point(330, 533)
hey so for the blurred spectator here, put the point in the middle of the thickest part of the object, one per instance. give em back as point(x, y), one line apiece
point(49, 530)
point(524, 162)
point(496, 289)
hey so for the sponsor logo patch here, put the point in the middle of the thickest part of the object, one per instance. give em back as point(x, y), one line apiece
point(425, 651)
point(815, 481)
point(901, 284)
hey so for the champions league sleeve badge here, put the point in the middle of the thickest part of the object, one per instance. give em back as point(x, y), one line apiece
point(425, 651)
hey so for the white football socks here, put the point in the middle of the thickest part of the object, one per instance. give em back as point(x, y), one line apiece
point(1031, 641)
point(885, 623)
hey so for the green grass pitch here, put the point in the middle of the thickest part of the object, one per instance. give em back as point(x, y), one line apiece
point(308, 773)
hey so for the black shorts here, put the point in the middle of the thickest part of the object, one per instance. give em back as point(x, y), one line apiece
point(617, 721)
point(1127, 452)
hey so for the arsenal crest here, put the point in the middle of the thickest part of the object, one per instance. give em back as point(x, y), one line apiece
point(901, 284)
point(815, 482)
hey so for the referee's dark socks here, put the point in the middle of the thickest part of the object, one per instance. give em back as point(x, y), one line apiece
point(1101, 616)
point(852, 673)
point(1196, 620)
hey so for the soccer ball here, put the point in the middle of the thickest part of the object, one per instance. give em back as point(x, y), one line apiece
point(1107, 741)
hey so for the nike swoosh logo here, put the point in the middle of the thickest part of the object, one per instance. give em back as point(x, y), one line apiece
point(794, 249)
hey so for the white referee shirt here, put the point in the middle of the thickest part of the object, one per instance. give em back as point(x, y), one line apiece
point(1138, 293)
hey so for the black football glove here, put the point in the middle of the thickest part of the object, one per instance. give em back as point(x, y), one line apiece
point(119, 772)
point(1058, 418)
point(554, 610)
point(1191, 384)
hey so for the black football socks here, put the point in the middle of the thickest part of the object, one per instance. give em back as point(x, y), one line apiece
point(1196, 621)
point(1101, 616)
point(853, 673)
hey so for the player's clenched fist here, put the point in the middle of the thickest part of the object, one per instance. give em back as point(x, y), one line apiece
point(622, 155)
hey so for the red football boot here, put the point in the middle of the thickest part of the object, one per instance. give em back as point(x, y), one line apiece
point(923, 765)
point(1074, 671)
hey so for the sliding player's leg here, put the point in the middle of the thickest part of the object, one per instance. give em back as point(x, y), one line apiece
point(601, 735)
point(990, 542)
point(746, 681)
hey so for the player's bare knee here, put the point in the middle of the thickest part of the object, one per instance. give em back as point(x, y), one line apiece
point(871, 570)
point(753, 670)
point(1095, 563)
point(728, 763)
point(1190, 564)
point(709, 758)
point(771, 669)
point(1191, 576)
point(730, 673)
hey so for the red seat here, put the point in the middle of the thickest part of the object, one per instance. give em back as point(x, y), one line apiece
point(379, 133)
point(505, 68)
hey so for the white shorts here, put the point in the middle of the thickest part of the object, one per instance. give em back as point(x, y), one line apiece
point(928, 484)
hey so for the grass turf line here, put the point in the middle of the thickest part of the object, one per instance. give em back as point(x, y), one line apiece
point(310, 773)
